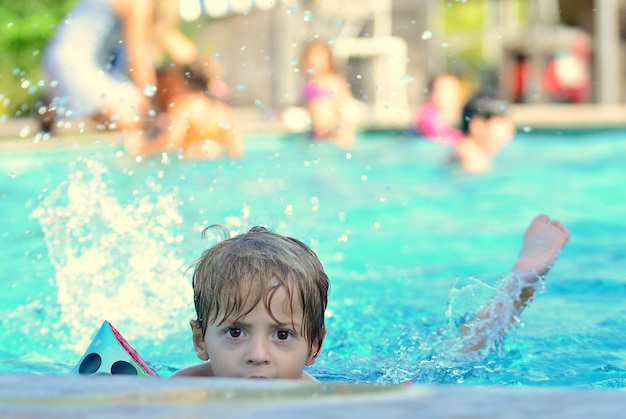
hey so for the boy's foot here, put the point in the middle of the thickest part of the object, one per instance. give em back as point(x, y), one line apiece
point(543, 241)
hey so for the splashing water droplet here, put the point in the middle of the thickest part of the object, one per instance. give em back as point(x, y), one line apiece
point(92, 239)
point(24, 132)
point(293, 9)
point(149, 90)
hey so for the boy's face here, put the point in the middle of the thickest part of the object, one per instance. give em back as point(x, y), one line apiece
point(257, 346)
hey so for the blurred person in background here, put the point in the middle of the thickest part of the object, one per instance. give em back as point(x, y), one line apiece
point(190, 121)
point(101, 61)
point(327, 97)
point(436, 118)
point(486, 129)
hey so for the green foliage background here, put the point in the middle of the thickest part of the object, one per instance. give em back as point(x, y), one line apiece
point(25, 27)
point(465, 19)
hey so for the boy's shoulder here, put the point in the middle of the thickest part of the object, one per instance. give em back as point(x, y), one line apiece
point(204, 369)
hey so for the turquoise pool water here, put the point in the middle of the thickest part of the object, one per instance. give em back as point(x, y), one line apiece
point(89, 233)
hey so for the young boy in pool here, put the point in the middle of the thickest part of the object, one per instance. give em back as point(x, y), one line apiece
point(260, 299)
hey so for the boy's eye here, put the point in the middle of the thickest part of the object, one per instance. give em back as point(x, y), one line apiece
point(233, 332)
point(283, 334)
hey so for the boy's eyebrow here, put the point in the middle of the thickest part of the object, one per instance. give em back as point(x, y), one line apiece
point(288, 324)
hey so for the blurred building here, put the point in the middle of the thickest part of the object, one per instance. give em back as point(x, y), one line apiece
point(532, 51)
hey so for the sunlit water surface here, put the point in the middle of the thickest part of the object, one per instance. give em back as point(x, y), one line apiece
point(90, 234)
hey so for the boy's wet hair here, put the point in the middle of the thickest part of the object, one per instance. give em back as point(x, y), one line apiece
point(233, 276)
point(484, 105)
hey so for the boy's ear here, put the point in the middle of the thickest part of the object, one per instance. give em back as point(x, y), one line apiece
point(315, 350)
point(198, 340)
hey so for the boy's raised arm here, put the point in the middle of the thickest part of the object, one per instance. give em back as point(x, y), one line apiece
point(543, 241)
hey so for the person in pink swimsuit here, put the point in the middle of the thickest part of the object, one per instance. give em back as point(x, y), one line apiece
point(326, 96)
point(434, 120)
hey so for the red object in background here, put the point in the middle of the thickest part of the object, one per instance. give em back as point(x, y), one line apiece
point(566, 78)
point(520, 75)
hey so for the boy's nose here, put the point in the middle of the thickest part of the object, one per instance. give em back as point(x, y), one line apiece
point(258, 352)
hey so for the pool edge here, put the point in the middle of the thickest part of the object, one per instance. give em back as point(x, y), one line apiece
point(73, 396)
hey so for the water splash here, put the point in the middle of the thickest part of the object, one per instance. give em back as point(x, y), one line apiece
point(477, 312)
point(113, 261)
